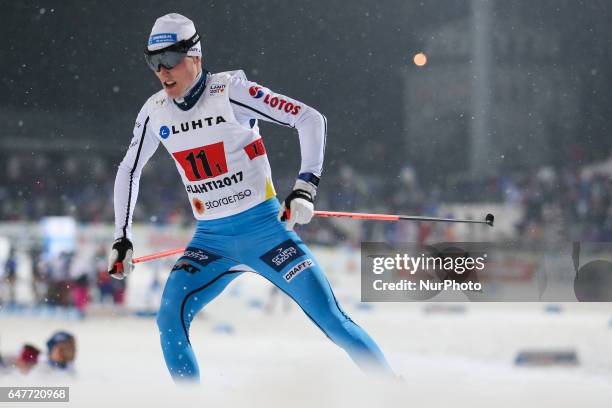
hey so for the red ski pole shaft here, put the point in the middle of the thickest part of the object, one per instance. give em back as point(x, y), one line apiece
point(158, 255)
point(363, 216)
point(390, 217)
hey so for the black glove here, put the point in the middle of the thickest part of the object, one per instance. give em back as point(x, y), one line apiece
point(120, 260)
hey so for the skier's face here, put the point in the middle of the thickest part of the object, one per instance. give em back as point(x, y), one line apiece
point(176, 80)
point(63, 352)
point(24, 366)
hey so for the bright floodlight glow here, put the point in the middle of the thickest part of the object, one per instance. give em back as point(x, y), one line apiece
point(420, 59)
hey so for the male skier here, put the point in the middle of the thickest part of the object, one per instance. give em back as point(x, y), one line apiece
point(208, 124)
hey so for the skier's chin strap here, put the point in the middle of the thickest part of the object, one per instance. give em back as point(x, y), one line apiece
point(193, 94)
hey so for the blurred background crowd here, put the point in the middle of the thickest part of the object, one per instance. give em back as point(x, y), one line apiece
point(59, 281)
point(575, 200)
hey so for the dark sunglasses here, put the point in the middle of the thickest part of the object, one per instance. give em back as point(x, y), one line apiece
point(170, 56)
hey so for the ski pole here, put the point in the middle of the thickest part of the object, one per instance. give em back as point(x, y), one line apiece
point(489, 219)
point(390, 217)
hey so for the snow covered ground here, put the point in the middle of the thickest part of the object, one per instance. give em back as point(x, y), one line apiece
point(252, 358)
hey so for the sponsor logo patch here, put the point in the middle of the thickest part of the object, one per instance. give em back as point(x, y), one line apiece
point(299, 268)
point(217, 89)
point(231, 199)
point(193, 259)
point(256, 92)
point(164, 132)
point(162, 38)
point(282, 255)
point(182, 127)
point(274, 101)
point(185, 266)
point(198, 205)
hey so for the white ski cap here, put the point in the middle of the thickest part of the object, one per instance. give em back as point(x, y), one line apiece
point(172, 28)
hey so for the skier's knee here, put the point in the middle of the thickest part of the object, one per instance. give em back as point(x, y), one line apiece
point(335, 324)
point(165, 320)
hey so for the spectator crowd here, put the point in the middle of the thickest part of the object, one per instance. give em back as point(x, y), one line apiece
point(59, 184)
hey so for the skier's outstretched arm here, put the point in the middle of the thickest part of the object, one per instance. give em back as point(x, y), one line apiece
point(142, 146)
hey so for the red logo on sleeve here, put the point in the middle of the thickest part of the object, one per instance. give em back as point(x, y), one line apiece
point(274, 101)
point(256, 92)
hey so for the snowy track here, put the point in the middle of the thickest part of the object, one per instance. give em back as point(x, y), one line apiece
point(282, 359)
